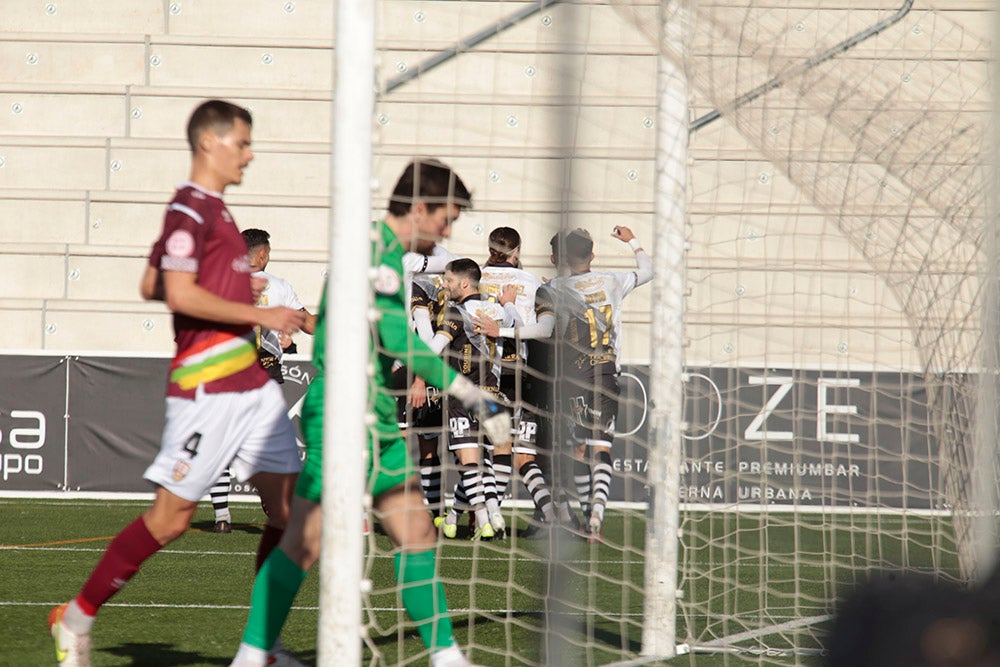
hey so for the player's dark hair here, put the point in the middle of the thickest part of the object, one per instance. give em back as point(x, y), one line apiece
point(432, 182)
point(466, 268)
point(503, 242)
point(577, 245)
point(216, 115)
point(900, 618)
point(254, 238)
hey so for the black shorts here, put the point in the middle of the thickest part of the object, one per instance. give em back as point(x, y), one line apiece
point(527, 417)
point(591, 400)
point(463, 428)
point(425, 419)
point(428, 419)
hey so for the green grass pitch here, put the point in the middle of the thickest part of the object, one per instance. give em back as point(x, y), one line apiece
point(188, 604)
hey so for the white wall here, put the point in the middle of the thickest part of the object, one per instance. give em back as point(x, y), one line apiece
point(93, 107)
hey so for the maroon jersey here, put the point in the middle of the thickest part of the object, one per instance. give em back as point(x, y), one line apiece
point(199, 236)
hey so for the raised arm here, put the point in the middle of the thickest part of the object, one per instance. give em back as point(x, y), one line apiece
point(643, 262)
point(414, 262)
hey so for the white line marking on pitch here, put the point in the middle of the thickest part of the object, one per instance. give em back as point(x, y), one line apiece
point(518, 559)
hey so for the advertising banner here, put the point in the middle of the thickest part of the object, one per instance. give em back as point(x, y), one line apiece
point(32, 423)
point(116, 408)
point(773, 437)
point(790, 437)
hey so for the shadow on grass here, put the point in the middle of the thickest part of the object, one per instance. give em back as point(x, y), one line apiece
point(479, 620)
point(609, 639)
point(161, 655)
point(207, 526)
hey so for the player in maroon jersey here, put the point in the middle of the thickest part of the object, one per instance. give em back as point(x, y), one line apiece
point(222, 408)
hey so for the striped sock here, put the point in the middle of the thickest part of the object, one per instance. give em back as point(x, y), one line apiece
point(430, 482)
point(581, 478)
point(602, 482)
point(534, 480)
point(502, 469)
point(219, 493)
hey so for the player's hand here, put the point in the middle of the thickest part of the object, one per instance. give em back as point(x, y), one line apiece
point(486, 326)
point(508, 294)
point(418, 393)
point(494, 418)
point(623, 233)
point(281, 319)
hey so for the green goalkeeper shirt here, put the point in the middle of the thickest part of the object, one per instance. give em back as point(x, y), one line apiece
point(391, 337)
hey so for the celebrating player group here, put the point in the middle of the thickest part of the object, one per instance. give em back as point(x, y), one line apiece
point(500, 325)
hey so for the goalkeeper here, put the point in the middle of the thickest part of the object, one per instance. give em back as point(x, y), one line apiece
point(428, 196)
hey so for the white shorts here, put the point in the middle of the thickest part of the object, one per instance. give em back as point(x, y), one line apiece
point(247, 431)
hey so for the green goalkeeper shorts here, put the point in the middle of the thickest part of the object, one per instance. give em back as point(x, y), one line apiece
point(390, 468)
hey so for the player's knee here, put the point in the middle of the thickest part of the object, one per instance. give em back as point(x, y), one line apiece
point(522, 458)
point(303, 553)
point(421, 537)
point(166, 529)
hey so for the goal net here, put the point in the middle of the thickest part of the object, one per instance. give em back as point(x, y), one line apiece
point(833, 256)
point(836, 310)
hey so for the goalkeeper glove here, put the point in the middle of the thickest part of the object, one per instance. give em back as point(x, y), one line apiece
point(494, 418)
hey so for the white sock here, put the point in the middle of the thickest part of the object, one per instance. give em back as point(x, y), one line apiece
point(250, 656)
point(76, 620)
point(449, 657)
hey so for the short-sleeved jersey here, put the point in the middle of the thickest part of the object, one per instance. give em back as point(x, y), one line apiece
point(199, 236)
point(495, 276)
point(588, 311)
point(472, 354)
point(279, 292)
point(428, 293)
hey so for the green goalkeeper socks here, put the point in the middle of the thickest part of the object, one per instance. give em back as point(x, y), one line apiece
point(423, 597)
point(274, 591)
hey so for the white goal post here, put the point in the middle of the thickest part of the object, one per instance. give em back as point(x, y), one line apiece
point(659, 631)
point(347, 349)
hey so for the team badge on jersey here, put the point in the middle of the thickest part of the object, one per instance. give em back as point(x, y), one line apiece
point(180, 244)
point(387, 281)
point(180, 471)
